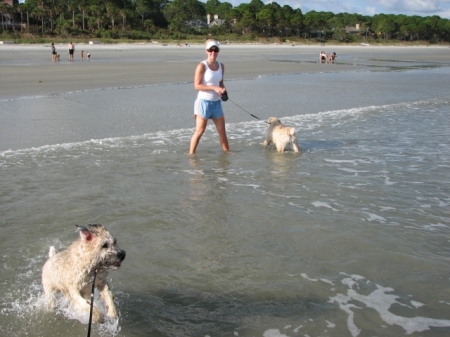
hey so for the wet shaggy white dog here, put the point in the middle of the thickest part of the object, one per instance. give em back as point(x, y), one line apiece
point(71, 271)
point(280, 135)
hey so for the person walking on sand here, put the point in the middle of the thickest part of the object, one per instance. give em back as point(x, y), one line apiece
point(54, 54)
point(71, 51)
point(208, 80)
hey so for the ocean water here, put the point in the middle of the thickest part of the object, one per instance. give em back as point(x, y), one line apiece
point(348, 238)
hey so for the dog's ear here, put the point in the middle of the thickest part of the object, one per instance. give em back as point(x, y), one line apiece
point(85, 233)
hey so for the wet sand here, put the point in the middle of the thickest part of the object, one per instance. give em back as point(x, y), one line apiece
point(27, 70)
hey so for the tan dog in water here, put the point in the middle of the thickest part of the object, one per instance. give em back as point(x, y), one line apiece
point(72, 270)
point(280, 135)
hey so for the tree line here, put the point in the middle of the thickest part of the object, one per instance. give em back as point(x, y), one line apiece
point(138, 19)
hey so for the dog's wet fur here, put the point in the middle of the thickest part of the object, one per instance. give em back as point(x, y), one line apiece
point(71, 271)
point(282, 136)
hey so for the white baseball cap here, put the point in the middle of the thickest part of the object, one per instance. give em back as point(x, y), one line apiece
point(212, 44)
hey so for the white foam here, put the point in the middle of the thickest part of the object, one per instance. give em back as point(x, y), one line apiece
point(308, 278)
point(352, 170)
point(298, 328)
point(434, 227)
point(273, 333)
point(330, 324)
point(374, 217)
point(417, 304)
point(381, 301)
point(327, 281)
point(323, 204)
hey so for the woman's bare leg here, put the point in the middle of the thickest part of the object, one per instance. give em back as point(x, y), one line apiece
point(200, 127)
point(220, 127)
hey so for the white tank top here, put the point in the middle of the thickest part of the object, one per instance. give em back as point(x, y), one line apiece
point(210, 77)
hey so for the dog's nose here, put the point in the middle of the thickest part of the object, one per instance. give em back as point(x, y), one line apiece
point(121, 254)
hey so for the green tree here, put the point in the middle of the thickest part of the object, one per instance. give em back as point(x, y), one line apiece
point(143, 8)
point(179, 12)
point(297, 21)
point(266, 17)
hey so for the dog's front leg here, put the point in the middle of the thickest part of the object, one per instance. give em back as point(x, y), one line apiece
point(80, 304)
point(108, 298)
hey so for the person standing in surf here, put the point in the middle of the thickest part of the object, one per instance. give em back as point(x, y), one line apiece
point(71, 51)
point(208, 80)
point(54, 53)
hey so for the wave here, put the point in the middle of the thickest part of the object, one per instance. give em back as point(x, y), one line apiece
point(250, 130)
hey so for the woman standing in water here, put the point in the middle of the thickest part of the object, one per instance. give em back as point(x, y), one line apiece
point(71, 51)
point(54, 54)
point(208, 80)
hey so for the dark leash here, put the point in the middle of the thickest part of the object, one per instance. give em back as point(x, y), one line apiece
point(92, 304)
point(226, 98)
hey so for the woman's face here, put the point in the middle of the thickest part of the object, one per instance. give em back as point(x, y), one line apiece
point(213, 52)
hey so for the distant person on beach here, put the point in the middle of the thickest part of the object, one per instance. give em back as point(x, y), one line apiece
point(332, 57)
point(82, 54)
point(71, 51)
point(208, 80)
point(54, 54)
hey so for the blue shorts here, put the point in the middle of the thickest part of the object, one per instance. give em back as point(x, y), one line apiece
point(208, 109)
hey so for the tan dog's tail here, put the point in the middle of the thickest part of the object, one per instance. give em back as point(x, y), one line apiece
point(52, 251)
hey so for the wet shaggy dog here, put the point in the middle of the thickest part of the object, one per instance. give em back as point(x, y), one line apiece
point(280, 135)
point(71, 271)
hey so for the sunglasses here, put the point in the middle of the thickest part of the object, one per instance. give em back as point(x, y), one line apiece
point(213, 49)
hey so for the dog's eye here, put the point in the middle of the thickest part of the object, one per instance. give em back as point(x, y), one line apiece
point(105, 245)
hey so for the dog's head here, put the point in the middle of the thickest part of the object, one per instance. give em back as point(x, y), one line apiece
point(273, 121)
point(98, 245)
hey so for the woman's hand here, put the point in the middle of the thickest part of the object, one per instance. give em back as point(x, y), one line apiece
point(220, 90)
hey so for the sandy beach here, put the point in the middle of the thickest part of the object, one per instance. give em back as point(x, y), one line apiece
point(28, 69)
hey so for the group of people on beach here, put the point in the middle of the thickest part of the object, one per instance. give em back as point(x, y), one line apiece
point(323, 57)
point(71, 48)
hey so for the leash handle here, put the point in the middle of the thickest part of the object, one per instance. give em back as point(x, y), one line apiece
point(92, 304)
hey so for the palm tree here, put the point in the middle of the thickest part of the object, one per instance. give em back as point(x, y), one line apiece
point(111, 12)
point(82, 8)
point(21, 9)
point(123, 14)
point(39, 13)
point(3, 10)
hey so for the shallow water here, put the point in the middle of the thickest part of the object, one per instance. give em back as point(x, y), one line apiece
point(349, 238)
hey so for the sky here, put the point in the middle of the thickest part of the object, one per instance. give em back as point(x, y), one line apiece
point(366, 7)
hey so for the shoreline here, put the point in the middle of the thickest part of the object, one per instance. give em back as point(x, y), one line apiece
point(27, 70)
